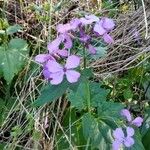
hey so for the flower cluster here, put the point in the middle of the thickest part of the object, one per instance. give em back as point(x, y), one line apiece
point(59, 48)
point(118, 134)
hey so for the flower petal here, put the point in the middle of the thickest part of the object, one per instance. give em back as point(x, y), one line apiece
point(46, 74)
point(62, 28)
point(57, 78)
point(62, 53)
point(54, 45)
point(99, 29)
point(41, 58)
point(137, 121)
point(53, 66)
point(92, 17)
point(118, 134)
point(116, 145)
point(108, 24)
point(125, 113)
point(72, 76)
point(74, 23)
point(73, 61)
point(67, 42)
point(108, 39)
point(128, 141)
point(92, 49)
point(130, 131)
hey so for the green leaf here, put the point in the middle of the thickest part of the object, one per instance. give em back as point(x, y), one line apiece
point(146, 86)
point(51, 93)
point(138, 145)
point(13, 29)
point(110, 110)
point(78, 98)
point(146, 140)
point(36, 135)
point(97, 131)
point(12, 58)
point(128, 94)
point(98, 94)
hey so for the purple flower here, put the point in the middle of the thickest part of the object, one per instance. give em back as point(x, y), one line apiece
point(137, 121)
point(89, 19)
point(54, 49)
point(104, 26)
point(42, 58)
point(108, 39)
point(121, 139)
point(56, 71)
point(64, 28)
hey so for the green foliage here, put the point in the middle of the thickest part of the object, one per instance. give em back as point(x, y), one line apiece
point(13, 29)
point(16, 131)
point(12, 58)
point(97, 131)
point(51, 93)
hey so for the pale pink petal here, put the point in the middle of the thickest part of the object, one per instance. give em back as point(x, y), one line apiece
point(84, 38)
point(116, 145)
point(128, 141)
point(137, 121)
point(53, 66)
point(118, 134)
point(92, 49)
point(62, 53)
point(74, 23)
point(125, 113)
point(46, 74)
point(67, 42)
point(89, 19)
point(54, 45)
point(73, 61)
point(62, 28)
point(41, 58)
point(108, 24)
point(108, 39)
point(99, 29)
point(72, 76)
point(92, 17)
point(130, 131)
point(57, 78)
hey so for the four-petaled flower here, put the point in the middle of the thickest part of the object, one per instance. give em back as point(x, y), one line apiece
point(137, 121)
point(121, 139)
point(103, 27)
point(55, 72)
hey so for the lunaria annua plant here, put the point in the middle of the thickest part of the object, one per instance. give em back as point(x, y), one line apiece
point(59, 48)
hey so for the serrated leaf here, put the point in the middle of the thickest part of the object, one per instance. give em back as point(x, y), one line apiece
point(88, 94)
point(79, 98)
point(138, 145)
point(51, 93)
point(110, 110)
point(13, 29)
point(97, 131)
point(12, 58)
